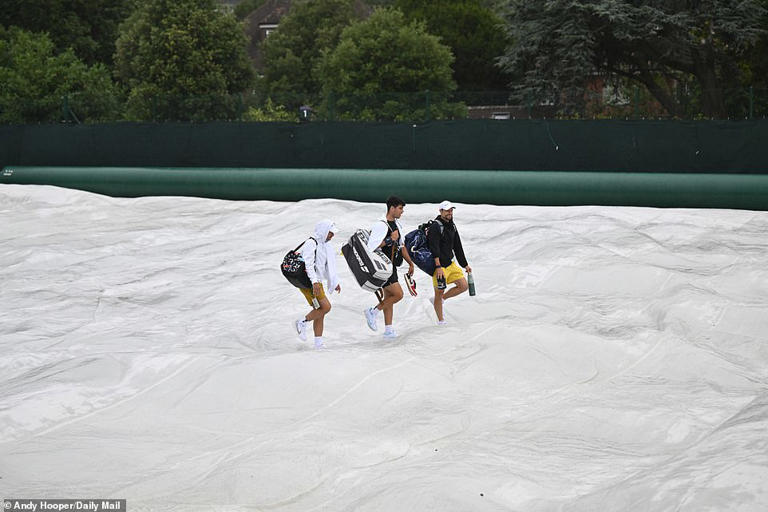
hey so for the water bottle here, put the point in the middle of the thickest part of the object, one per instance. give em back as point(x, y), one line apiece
point(471, 282)
point(315, 303)
point(441, 284)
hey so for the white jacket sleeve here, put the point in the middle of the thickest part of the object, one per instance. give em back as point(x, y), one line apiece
point(308, 255)
point(378, 233)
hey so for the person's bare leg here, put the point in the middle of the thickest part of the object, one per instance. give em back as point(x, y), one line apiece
point(461, 287)
point(392, 295)
point(317, 316)
point(438, 304)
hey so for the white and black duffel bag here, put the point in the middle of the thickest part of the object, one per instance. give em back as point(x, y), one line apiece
point(371, 268)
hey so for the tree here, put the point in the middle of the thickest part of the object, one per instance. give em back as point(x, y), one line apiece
point(269, 112)
point(757, 68)
point(559, 45)
point(381, 62)
point(182, 60)
point(89, 27)
point(293, 52)
point(472, 31)
point(39, 83)
point(246, 7)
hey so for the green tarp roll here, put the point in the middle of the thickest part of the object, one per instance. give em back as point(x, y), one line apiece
point(544, 188)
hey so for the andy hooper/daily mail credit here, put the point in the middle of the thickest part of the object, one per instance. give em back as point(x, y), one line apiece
point(63, 505)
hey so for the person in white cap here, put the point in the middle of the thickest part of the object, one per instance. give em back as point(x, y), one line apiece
point(386, 234)
point(320, 260)
point(445, 242)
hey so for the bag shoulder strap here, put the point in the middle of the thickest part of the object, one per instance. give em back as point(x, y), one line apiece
point(305, 241)
point(316, 244)
point(389, 228)
point(396, 244)
point(439, 223)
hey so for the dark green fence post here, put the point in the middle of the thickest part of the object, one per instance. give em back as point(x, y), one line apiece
point(240, 107)
point(65, 108)
point(636, 101)
point(67, 115)
point(330, 105)
point(529, 104)
point(428, 114)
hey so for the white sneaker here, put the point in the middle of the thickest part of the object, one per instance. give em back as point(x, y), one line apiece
point(319, 343)
point(390, 334)
point(370, 317)
point(442, 322)
point(301, 329)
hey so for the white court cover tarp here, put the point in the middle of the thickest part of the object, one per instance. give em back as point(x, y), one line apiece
point(614, 359)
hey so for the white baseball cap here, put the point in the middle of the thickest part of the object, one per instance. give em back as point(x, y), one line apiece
point(447, 205)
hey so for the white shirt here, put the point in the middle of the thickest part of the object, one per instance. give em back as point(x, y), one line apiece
point(379, 233)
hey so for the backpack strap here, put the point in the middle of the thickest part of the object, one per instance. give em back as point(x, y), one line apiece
point(305, 241)
point(389, 232)
point(395, 243)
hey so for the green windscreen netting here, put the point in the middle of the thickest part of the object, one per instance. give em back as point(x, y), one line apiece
point(553, 145)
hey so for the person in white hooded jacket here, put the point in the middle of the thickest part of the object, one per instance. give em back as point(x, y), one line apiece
point(320, 260)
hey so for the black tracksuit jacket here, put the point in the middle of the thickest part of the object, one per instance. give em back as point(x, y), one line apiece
point(446, 244)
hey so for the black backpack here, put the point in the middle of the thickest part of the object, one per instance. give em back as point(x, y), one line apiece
point(431, 223)
point(294, 269)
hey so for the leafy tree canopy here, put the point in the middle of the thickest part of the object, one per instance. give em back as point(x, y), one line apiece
point(246, 7)
point(37, 80)
point(381, 62)
point(269, 112)
point(89, 27)
point(293, 52)
point(758, 56)
point(559, 45)
point(472, 31)
point(181, 59)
